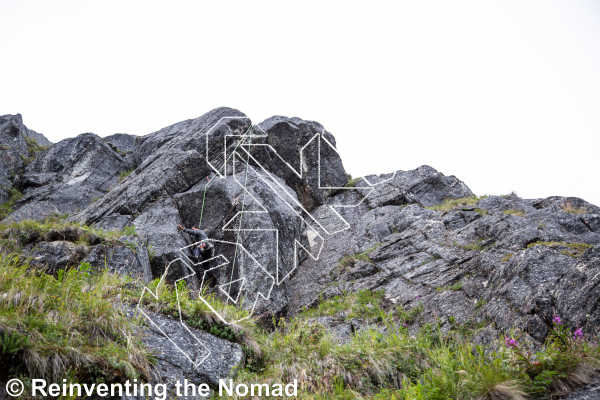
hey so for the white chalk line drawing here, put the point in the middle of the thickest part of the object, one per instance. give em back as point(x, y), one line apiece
point(288, 199)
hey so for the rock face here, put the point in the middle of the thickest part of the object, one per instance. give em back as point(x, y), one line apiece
point(179, 363)
point(304, 155)
point(14, 151)
point(274, 200)
point(68, 176)
point(122, 141)
point(38, 137)
point(197, 173)
point(474, 263)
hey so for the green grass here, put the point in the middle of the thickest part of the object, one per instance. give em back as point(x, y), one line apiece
point(68, 325)
point(480, 303)
point(456, 286)
point(517, 213)
point(571, 209)
point(171, 300)
point(33, 146)
point(352, 182)
point(574, 250)
point(451, 204)
point(478, 245)
point(14, 235)
point(363, 304)
point(428, 364)
point(349, 260)
point(32, 149)
point(125, 174)
point(54, 326)
point(7, 207)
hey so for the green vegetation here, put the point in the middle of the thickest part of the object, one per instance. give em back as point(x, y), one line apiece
point(197, 314)
point(480, 303)
point(571, 209)
point(347, 261)
point(7, 208)
point(66, 325)
point(481, 212)
point(13, 235)
point(508, 257)
point(517, 213)
point(69, 325)
point(32, 148)
point(451, 204)
point(574, 250)
point(364, 304)
point(426, 365)
point(125, 174)
point(456, 286)
point(352, 182)
point(478, 245)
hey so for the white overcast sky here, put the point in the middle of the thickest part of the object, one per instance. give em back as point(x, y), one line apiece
point(504, 95)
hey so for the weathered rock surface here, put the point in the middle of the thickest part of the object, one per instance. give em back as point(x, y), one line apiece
point(129, 256)
point(121, 141)
point(472, 263)
point(14, 152)
point(67, 177)
point(126, 256)
point(304, 155)
point(176, 363)
point(250, 190)
point(175, 183)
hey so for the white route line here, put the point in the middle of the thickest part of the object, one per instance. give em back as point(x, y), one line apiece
point(290, 200)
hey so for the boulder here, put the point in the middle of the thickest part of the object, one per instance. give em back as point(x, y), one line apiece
point(122, 142)
point(128, 256)
point(304, 154)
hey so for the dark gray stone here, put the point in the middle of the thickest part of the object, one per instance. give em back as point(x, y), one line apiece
point(178, 352)
point(129, 257)
point(122, 141)
point(67, 177)
point(289, 142)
